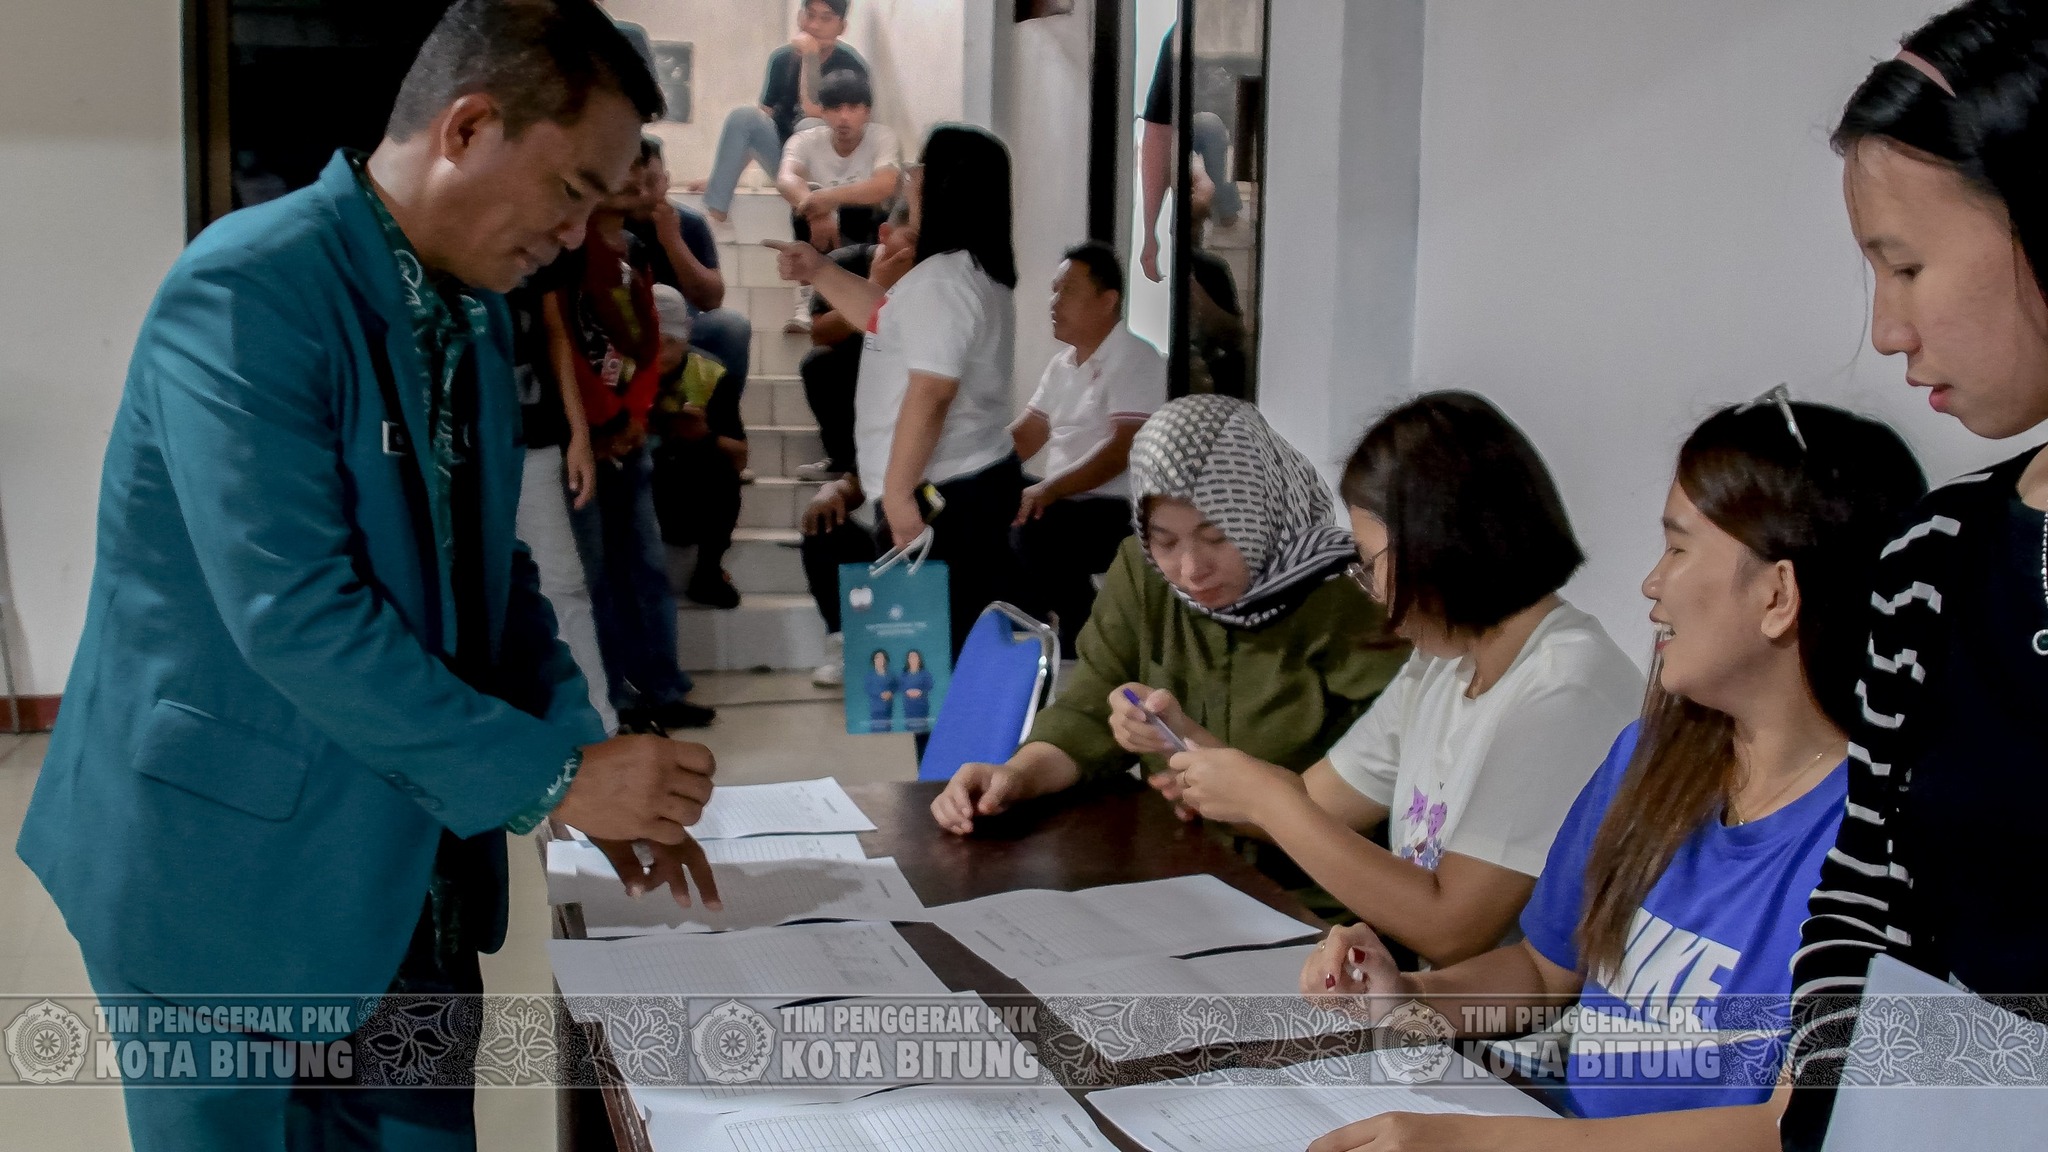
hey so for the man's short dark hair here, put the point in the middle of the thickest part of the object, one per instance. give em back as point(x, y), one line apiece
point(1476, 530)
point(1101, 263)
point(845, 87)
point(539, 59)
point(838, 7)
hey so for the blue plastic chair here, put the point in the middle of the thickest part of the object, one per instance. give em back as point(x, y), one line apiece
point(1007, 670)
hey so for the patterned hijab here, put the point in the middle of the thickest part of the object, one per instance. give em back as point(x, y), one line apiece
point(1219, 455)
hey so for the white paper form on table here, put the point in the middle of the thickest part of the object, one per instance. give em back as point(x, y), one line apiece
point(1282, 1110)
point(791, 808)
point(1138, 1007)
point(754, 894)
point(1034, 929)
point(582, 858)
point(789, 963)
point(779, 809)
point(912, 1119)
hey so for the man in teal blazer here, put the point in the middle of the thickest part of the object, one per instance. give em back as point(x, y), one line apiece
point(317, 681)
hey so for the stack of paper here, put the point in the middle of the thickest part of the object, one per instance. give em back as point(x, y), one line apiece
point(582, 858)
point(1026, 932)
point(794, 807)
point(780, 809)
point(1133, 1008)
point(1282, 1110)
point(754, 894)
point(954, 1119)
point(790, 963)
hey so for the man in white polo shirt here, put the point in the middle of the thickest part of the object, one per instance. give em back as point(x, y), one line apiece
point(1094, 396)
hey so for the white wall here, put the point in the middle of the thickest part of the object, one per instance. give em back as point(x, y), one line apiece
point(1630, 215)
point(1041, 110)
point(92, 213)
point(732, 40)
point(918, 53)
point(1344, 85)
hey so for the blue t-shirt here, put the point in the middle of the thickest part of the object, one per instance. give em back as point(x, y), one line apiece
point(1702, 1011)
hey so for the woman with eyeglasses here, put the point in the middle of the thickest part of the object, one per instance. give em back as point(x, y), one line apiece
point(1475, 751)
point(1231, 597)
point(1669, 906)
point(1942, 151)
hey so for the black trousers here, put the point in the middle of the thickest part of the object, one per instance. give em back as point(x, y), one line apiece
point(830, 375)
point(858, 224)
point(823, 554)
point(972, 536)
point(697, 499)
point(1061, 552)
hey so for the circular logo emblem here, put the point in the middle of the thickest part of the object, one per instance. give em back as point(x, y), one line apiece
point(733, 1043)
point(1424, 1036)
point(46, 1043)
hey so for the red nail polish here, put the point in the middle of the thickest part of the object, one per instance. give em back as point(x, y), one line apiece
point(1329, 981)
point(1358, 955)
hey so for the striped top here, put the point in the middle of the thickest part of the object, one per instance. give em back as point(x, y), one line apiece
point(1864, 905)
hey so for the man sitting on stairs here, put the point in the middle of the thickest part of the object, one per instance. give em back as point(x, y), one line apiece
point(698, 459)
point(681, 253)
point(839, 175)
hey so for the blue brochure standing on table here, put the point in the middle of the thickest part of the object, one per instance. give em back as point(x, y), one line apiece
point(897, 624)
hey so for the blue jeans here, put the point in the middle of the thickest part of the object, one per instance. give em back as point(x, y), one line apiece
point(748, 135)
point(619, 540)
point(1212, 142)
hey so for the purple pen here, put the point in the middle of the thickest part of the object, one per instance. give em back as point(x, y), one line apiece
point(1179, 745)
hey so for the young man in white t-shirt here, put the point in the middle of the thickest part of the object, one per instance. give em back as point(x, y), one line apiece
point(838, 175)
point(1095, 395)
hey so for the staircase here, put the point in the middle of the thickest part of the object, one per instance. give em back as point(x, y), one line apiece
point(776, 625)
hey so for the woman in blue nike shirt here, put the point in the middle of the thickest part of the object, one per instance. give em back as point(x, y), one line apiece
point(1669, 907)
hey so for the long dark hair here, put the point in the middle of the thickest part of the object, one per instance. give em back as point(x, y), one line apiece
point(1476, 531)
point(1994, 53)
point(966, 200)
point(1827, 509)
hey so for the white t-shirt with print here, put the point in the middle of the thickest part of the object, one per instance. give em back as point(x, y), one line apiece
point(825, 167)
point(1492, 778)
point(1123, 382)
point(945, 317)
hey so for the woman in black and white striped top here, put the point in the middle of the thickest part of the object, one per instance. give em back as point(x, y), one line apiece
point(1943, 179)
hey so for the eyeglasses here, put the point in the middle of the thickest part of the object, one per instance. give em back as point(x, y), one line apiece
point(1362, 571)
point(1782, 397)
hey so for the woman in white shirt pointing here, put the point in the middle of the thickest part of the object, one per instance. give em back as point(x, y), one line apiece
point(934, 400)
point(1476, 750)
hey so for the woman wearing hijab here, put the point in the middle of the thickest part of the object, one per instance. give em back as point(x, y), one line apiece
point(1476, 750)
point(1228, 598)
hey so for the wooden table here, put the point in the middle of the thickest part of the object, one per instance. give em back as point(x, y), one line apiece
point(1079, 839)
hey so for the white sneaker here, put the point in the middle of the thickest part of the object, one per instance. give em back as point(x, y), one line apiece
point(800, 322)
point(832, 673)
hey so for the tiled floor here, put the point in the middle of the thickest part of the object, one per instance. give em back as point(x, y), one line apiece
point(770, 727)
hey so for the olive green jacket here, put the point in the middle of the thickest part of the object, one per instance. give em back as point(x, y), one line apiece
point(1283, 693)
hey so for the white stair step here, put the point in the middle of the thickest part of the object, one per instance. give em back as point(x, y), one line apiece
point(781, 632)
point(756, 213)
point(775, 502)
point(775, 401)
point(765, 561)
point(755, 264)
point(768, 309)
point(777, 353)
point(779, 450)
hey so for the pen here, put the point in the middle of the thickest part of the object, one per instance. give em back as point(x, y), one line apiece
point(1179, 745)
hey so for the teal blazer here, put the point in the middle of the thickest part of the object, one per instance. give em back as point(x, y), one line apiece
point(260, 742)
